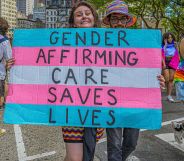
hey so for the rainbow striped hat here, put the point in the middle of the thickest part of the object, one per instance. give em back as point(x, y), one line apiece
point(118, 6)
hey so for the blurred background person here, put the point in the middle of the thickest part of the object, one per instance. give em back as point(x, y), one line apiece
point(170, 62)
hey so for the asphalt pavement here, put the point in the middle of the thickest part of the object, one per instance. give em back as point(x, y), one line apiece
point(41, 143)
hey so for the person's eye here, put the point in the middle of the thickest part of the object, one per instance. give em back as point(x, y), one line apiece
point(124, 18)
point(88, 13)
point(78, 14)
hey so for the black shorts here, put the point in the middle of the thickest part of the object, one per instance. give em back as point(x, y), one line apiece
point(2, 82)
point(167, 62)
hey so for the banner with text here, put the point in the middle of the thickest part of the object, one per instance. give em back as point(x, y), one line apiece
point(90, 77)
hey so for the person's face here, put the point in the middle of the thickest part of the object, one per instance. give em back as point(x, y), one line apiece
point(170, 39)
point(118, 20)
point(83, 17)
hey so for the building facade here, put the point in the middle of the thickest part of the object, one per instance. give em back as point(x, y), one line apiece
point(39, 13)
point(52, 16)
point(39, 3)
point(8, 11)
point(57, 13)
point(21, 6)
point(25, 6)
point(25, 23)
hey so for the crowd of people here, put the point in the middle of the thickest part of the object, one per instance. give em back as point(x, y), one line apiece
point(80, 142)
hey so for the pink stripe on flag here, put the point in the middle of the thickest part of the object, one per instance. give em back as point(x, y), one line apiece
point(147, 58)
point(137, 97)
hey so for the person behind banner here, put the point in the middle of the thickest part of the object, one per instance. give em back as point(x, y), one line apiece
point(170, 61)
point(6, 61)
point(117, 16)
point(83, 15)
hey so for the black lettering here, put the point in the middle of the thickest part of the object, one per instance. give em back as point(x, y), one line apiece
point(66, 94)
point(50, 56)
point(103, 76)
point(110, 57)
point(118, 57)
point(76, 56)
point(62, 55)
point(97, 96)
point(55, 39)
point(51, 89)
point(80, 96)
point(70, 75)
point(53, 78)
point(102, 56)
point(94, 116)
point(41, 55)
point(65, 38)
point(111, 114)
point(50, 117)
point(82, 39)
point(135, 60)
point(122, 38)
point(114, 98)
point(108, 38)
point(67, 115)
point(86, 56)
point(80, 116)
point(88, 75)
point(93, 33)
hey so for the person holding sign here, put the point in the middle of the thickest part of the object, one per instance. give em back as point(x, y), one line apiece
point(170, 61)
point(117, 16)
point(6, 61)
point(82, 16)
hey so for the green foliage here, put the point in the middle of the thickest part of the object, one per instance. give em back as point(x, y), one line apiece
point(168, 14)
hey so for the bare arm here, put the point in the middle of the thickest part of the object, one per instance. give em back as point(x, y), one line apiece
point(182, 48)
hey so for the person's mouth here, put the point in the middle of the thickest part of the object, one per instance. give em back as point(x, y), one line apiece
point(85, 21)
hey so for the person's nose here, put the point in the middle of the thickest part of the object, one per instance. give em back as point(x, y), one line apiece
point(84, 15)
point(119, 22)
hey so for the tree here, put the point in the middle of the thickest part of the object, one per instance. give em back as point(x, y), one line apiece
point(174, 17)
point(169, 13)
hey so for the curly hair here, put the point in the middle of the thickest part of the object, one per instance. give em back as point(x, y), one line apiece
point(83, 3)
point(3, 26)
point(166, 36)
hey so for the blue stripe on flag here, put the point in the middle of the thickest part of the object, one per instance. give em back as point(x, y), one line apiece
point(83, 116)
point(136, 38)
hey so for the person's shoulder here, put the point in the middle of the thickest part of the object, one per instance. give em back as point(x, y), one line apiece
point(182, 40)
point(1, 36)
point(4, 40)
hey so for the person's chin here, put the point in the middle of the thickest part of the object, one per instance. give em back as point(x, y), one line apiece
point(119, 26)
point(86, 26)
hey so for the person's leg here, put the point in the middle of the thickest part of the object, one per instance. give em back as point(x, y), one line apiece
point(166, 77)
point(73, 138)
point(171, 79)
point(89, 143)
point(130, 138)
point(74, 152)
point(114, 139)
point(169, 83)
point(1, 93)
point(179, 91)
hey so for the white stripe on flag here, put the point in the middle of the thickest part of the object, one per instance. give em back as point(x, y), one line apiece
point(119, 77)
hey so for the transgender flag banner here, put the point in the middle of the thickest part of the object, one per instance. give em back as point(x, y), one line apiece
point(91, 77)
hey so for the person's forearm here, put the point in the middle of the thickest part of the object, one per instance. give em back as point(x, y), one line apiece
point(182, 48)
